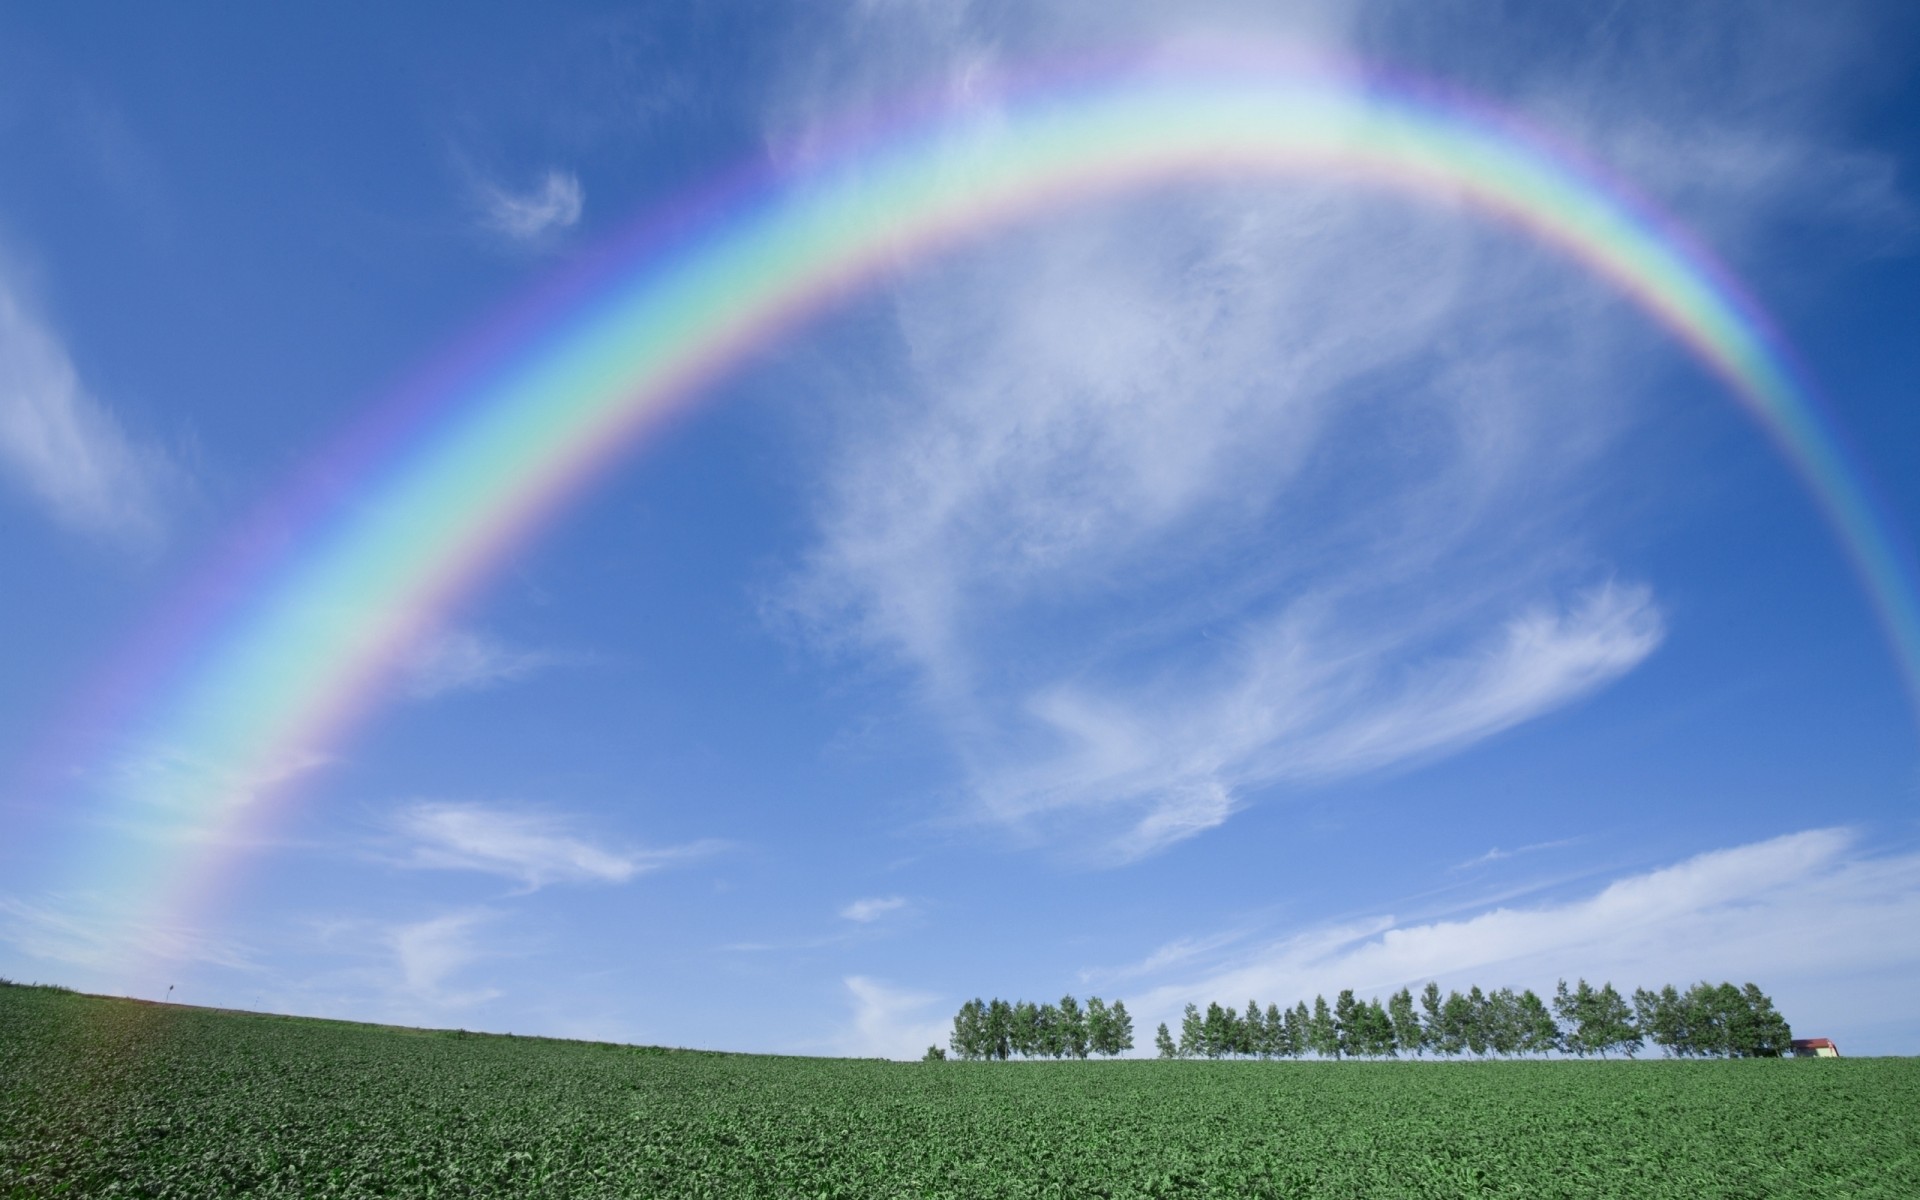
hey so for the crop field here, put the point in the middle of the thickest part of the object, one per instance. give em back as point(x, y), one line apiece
point(113, 1097)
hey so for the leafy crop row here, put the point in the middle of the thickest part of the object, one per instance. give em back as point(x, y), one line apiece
point(103, 1097)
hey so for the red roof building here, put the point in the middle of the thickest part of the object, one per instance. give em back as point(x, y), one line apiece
point(1815, 1048)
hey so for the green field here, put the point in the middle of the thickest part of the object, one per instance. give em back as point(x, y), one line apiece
point(114, 1097)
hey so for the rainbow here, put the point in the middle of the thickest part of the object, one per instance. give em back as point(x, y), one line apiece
point(524, 424)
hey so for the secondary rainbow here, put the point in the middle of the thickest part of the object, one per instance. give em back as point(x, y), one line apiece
point(530, 423)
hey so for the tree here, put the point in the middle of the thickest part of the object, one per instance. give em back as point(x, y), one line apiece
point(1539, 1033)
point(1612, 1022)
point(1322, 1034)
point(1216, 1032)
point(1379, 1030)
point(1163, 1042)
point(1476, 1030)
point(1456, 1018)
point(1406, 1025)
point(1646, 1017)
point(1193, 1032)
point(1279, 1042)
point(1581, 1011)
point(1500, 1021)
point(1099, 1026)
point(998, 1033)
point(1433, 1025)
point(1772, 1037)
point(1073, 1028)
point(1120, 1027)
point(934, 1054)
point(1050, 1040)
point(1025, 1034)
point(1346, 1019)
point(969, 1030)
point(1566, 1007)
point(1299, 1030)
point(1253, 1031)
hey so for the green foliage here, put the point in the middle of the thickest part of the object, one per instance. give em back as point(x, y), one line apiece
point(934, 1054)
point(1120, 1036)
point(998, 1030)
point(1073, 1028)
point(1406, 1023)
point(969, 1037)
point(1709, 1020)
point(1163, 1043)
point(101, 1097)
point(1323, 1035)
point(1193, 1033)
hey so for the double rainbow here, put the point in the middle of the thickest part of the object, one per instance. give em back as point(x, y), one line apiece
point(515, 435)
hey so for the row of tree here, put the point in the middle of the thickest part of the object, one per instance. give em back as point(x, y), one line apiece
point(1705, 1020)
point(997, 1029)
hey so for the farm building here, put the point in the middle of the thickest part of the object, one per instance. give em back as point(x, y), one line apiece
point(1815, 1048)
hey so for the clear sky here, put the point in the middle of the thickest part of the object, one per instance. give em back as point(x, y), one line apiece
point(1228, 588)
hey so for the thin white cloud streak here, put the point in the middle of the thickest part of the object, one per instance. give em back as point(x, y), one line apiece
point(872, 909)
point(463, 660)
point(888, 1022)
point(63, 447)
point(533, 216)
point(77, 933)
point(1824, 929)
point(534, 848)
point(1495, 854)
point(1180, 950)
point(1256, 453)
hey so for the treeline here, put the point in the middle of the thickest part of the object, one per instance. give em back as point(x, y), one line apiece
point(1706, 1020)
point(997, 1029)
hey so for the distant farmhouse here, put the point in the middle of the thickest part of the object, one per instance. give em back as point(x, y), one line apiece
point(1815, 1048)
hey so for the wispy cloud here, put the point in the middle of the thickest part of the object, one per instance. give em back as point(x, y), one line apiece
point(1807, 916)
point(428, 953)
point(1171, 954)
point(872, 909)
point(405, 971)
point(533, 848)
point(1170, 759)
point(171, 793)
point(1496, 854)
point(531, 216)
point(80, 932)
point(461, 660)
point(888, 1022)
point(63, 447)
point(1212, 492)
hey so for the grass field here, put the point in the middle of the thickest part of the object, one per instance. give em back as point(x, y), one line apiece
point(113, 1097)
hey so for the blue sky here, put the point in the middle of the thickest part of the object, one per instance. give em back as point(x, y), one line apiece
point(1218, 592)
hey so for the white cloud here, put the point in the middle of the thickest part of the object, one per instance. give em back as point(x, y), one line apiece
point(1822, 928)
point(62, 446)
point(1181, 496)
point(84, 934)
point(169, 793)
point(1169, 760)
point(460, 660)
point(426, 954)
point(873, 908)
point(889, 1022)
point(1171, 954)
point(1495, 854)
point(532, 216)
point(534, 848)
